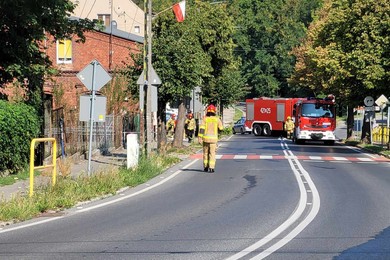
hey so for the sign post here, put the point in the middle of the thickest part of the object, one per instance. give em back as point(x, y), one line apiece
point(88, 77)
point(369, 110)
point(382, 102)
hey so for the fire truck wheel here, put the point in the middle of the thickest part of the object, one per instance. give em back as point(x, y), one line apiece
point(266, 130)
point(257, 130)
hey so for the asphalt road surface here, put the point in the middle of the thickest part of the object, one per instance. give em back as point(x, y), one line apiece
point(269, 198)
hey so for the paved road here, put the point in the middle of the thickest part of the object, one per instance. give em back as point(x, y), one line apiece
point(291, 203)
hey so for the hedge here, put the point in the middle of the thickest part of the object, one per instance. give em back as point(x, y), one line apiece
point(19, 124)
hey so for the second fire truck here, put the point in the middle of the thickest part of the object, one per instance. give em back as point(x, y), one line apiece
point(314, 118)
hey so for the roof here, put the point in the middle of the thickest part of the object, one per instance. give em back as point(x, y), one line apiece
point(122, 34)
point(113, 30)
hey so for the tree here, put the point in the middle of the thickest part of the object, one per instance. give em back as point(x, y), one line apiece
point(346, 52)
point(24, 25)
point(216, 30)
point(267, 32)
point(180, 62)
point(197, 51)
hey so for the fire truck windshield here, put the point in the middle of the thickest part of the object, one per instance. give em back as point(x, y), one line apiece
point(318, 110)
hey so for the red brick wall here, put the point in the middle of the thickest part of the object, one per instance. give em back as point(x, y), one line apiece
point(96, 46)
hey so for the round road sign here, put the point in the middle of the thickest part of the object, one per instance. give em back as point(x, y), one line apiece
point(368, 101)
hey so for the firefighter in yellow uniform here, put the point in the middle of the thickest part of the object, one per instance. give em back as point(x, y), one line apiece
point(171, 125)
point(289, 127)
point(189, 126)
point(208, 134)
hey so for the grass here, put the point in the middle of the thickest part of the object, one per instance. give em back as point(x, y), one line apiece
point(370, 147)
point(68, 192)
point(237, 114)
point(11, 179)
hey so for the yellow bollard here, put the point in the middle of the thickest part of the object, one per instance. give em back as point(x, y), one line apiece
point(33, 167)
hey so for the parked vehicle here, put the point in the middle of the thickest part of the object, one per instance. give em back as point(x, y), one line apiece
point(314, 118)
point(266, 115)
point(240, 127)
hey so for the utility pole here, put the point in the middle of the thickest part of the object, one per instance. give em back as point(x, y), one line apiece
point(148, 77)
point(148, 82)
point(149, 124)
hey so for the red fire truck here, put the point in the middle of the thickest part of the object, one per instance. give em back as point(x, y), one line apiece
point(314, 118)
point(264, 115)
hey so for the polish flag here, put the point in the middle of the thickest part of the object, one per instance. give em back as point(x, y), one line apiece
point(179, 10)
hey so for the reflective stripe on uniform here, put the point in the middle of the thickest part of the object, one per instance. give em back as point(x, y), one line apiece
point(211, 129)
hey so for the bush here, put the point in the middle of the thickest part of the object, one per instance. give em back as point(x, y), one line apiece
point(19, 124)
point(226, 131)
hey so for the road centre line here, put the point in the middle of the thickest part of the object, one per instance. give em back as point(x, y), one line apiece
point(302, 204)
point(252, 156)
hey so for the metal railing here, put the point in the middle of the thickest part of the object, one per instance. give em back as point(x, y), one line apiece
point(33, 167)
point(380, 135)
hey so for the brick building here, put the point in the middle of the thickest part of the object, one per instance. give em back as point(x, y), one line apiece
point(111, 48)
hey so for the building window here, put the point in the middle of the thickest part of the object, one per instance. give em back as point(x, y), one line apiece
point(137, 29)
point(64, 51)
point(105, 18)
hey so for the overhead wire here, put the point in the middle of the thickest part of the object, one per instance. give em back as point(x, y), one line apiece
point(90, 10)
point(82, 10)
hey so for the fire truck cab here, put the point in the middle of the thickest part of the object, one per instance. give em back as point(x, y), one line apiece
point(315, 119)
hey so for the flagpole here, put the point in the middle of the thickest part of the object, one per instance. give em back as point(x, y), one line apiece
point(167, 9)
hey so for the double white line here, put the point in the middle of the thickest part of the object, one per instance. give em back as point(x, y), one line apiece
point(302, 177)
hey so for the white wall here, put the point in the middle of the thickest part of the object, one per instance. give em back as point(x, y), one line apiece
point(127, 14)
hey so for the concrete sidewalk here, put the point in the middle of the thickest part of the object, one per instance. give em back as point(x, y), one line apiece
point(79, 167)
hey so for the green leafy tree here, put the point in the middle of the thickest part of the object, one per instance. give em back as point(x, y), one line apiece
point(216, 30)
point(346, 52)
point(197, 51)
point(24, 24)
point(267, 32)
point(180, 62)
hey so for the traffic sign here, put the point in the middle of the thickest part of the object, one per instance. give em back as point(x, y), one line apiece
point(369, 101)
point(86, 76)
point(369, 109)
point(382, 101)
point(154, 78)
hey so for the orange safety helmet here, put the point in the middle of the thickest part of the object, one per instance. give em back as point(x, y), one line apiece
point(211, 108)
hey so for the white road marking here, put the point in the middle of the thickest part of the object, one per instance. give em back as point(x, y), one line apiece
point(303, 224)
point(80, 209)
point(340, 158)
point(364, 159)
point(294, 164)
point(30, 224)
point(360, 151)
point(240, 156)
